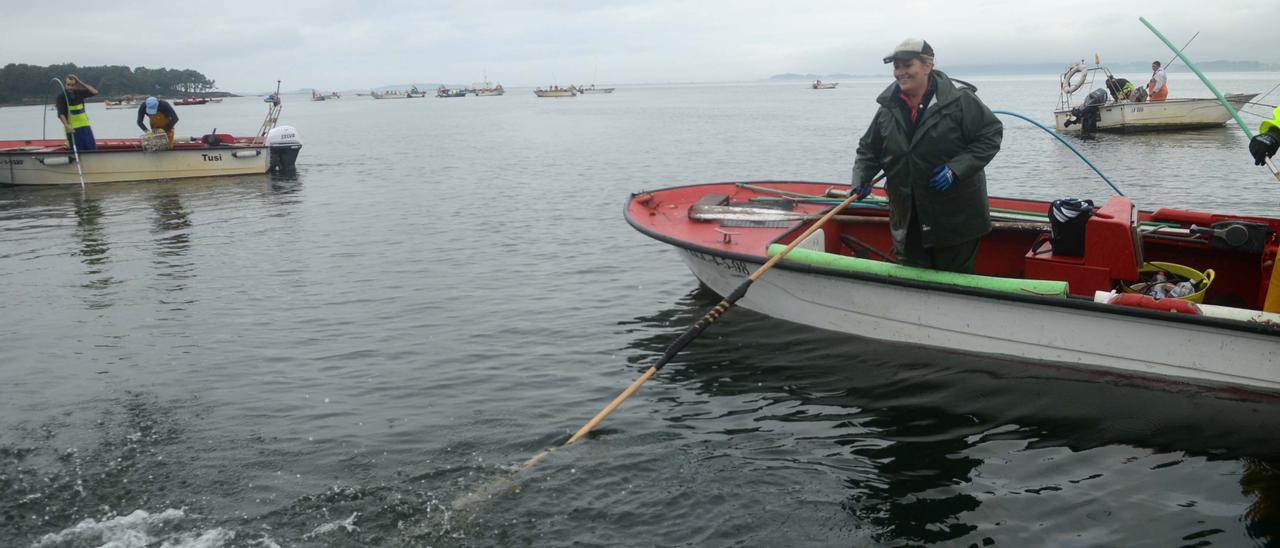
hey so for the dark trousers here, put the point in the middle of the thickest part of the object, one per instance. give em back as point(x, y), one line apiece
point(952, 258)
point(83, 138)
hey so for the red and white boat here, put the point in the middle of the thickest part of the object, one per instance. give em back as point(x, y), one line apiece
point(53, 162)
point(1024, 302)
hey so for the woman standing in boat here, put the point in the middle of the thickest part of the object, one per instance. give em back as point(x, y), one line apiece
point(932, 138)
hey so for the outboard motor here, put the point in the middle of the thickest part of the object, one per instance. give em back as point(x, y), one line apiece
point(1087, 114)
point(285, 145)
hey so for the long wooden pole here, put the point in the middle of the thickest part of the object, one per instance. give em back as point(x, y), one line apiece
point(697, 329)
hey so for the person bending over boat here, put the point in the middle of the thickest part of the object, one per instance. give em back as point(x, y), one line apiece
point(1120, 88)
point(160, 115)
point(1158, 86)
point(72, 114)
point(933, 137)
point(1264, 144)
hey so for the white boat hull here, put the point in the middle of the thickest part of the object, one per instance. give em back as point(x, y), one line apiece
point(1076, 336)
point(1159, 115)
point(107, 166)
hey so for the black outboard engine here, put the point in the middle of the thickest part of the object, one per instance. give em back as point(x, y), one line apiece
point(1087, 114)
point(285, 145)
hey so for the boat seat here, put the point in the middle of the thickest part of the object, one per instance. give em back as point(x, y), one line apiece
point(1112, 252)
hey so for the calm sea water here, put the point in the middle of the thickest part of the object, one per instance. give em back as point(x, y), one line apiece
point(354, 356)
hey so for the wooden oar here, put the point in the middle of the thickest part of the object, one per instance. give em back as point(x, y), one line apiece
point(697, 329)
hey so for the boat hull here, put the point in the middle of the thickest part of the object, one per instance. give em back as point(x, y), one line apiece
point(1218, 348)
point(1008, 328)
point(19, 167)
point(1159, 115)
point(555, 93)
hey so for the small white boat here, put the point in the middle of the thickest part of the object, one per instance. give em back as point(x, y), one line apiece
point(486, 88)
point(51, 162)
point(594, 89)
point(1229, 342)
point(1125, 115)
point(555, 92)
point(121, 104)
point(819, 84)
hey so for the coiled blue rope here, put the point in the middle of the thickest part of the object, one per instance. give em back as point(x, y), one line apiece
point(1063, 141)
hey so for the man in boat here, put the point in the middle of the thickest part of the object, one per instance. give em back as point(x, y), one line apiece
point(160, 115)
point(933, 138)
point(70, 106)
point(1157, 87)
point(1264, 144)
point(1120, 88)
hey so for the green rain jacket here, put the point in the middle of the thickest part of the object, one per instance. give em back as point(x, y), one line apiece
point(956, 129)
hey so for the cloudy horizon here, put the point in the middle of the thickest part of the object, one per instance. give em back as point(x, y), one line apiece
point(246, 46)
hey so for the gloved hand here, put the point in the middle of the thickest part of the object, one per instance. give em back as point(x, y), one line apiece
point(862, 190)
point(942, 178)
point(1263, 146)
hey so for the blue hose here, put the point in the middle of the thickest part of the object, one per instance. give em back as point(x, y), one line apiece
point(1064, 141)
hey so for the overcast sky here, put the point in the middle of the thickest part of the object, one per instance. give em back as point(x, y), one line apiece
point(246, 46)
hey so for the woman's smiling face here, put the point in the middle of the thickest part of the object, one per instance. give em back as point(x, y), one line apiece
point(912, 75)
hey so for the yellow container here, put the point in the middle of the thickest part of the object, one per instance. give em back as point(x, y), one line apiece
point(1201, 279)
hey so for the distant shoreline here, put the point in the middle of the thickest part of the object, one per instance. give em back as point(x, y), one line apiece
point(29, 101)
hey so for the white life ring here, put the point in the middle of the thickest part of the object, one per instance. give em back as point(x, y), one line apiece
point(1078, 69)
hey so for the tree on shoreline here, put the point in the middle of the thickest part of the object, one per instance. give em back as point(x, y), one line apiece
point(23, 83)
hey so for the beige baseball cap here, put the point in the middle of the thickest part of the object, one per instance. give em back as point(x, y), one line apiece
point(910, 49)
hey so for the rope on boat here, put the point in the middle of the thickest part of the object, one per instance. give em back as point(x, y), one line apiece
point(1063, 141)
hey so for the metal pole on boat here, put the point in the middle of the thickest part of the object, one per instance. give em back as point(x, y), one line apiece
point(697, 328)
point(74, 149)
point(1271, 166)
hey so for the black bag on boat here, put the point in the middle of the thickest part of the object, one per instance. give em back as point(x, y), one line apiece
point(1067, 219)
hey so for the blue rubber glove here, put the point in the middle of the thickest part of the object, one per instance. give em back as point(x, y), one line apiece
point(862, 191)
point(942, 178)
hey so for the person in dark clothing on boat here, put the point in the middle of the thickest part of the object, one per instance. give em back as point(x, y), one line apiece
point(1120, 88)
point(70, 107)
point(1264, 144)
point(160, 115)
point(933, 138)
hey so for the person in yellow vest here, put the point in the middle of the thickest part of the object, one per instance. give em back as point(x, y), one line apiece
point(71, 112)
point(160, 115)
point(1158, 86)
point(1264, 144)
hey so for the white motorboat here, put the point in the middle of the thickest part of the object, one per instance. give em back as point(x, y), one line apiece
point(54, 162)
point(593, 89)
point(1125, 115)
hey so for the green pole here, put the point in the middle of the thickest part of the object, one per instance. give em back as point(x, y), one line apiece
point(1211, 87)
point(1203, 78)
